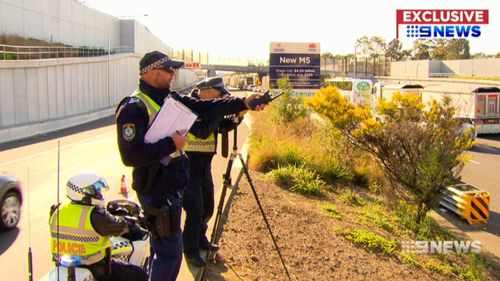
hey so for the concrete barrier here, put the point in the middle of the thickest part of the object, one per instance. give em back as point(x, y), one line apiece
point(41, 96)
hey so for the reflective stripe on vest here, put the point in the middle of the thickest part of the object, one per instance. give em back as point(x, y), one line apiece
point(195, 144)
point(76, 235)
point(153, 108)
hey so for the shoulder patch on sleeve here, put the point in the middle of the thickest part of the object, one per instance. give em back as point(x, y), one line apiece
point(128, 131)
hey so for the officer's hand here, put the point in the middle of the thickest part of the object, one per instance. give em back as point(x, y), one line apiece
point(179, 139)
point(242, 113)
point(253, 97)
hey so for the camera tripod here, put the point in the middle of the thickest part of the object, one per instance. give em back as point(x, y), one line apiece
point(227, 183)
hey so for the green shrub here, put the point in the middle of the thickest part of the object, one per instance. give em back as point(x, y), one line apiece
point(8, 56)
point(298, 179)
point(370, 241)
point(439, 267)
point(287, 108)
point(375, 187)
point(336, 170)
point(360, 176)
point(427, 229)
point(378, 218)
point(352, 198)
point(290, 155)
point(332, 211)
point(474, 270)
point(264, 158)
point(409, 259)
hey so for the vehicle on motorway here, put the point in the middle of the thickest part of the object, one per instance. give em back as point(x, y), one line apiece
point(11, 201)
point(481, 105)
point(467, 125)
point(241, 84)
point(133, 251)
point(358, 91)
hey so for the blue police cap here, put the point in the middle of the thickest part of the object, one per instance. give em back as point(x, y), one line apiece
point(157, 59)
point(213, 82)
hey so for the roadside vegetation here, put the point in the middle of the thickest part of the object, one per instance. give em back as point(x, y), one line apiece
point(377, 179)
point(41, 49)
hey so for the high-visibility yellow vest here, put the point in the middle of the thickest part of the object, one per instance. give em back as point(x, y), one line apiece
point(74, 234)
point(153, 108)
point(195, 144)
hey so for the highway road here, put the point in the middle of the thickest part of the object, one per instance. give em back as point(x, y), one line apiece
point(483, 171)
point(91, 147)
point(88, 148)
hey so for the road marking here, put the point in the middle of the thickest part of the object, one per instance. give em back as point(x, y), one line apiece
point(475, 162)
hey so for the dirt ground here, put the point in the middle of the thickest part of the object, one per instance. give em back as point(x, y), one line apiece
point(311, 248)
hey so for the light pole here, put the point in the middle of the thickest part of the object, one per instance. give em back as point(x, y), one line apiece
point(355, 58)
point(109, 51)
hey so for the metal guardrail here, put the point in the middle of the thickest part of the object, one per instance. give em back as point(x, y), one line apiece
point(10, 52)
point(440, 75)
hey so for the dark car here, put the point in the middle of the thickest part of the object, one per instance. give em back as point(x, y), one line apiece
point(11, 200)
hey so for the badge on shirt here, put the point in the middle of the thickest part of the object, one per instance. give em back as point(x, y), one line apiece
point(128, 131)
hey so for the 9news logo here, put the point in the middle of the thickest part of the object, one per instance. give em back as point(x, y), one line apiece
point(441, 23)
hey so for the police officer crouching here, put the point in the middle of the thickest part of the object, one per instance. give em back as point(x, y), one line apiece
point(199, 193)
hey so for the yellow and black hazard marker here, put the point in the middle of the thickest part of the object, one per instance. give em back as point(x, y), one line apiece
point(467, 201)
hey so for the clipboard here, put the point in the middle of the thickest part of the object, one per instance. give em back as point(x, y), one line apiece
point(173, 116)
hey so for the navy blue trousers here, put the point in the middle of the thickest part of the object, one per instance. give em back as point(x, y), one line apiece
point(167, 258)
point(198, 202)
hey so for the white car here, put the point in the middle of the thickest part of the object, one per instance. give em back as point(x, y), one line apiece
point(467, 124)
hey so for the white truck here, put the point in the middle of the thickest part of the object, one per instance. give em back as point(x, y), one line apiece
point(481, 105)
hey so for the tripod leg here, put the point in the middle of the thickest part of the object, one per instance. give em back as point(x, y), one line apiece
point(214, 238)
point(254, 191)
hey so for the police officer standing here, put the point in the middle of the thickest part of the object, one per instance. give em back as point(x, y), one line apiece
point(199, 193)
point(159, 186)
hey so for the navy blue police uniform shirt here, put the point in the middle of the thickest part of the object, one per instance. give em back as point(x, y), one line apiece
point(132, 124)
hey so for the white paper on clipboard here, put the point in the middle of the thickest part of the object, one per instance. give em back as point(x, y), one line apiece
point(173, 116)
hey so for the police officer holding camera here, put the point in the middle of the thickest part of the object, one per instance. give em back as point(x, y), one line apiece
point(159, 186)
point(199, 193)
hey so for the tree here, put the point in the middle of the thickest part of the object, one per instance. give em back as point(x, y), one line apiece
point(406, 55)
point(394, 50)
point(370, 47)
point(327, 55)
point(420, 151)
point(439, 49)
point(458, 49)
point(422, 49)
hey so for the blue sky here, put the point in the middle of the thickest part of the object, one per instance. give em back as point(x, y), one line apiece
point(235, 28)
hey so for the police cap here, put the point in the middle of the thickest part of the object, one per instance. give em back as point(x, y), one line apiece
point(156, 59)
point(213, 82)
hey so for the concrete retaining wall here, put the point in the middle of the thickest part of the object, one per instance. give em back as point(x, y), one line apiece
point(65, 21)
point(71, 23)
point(47, 95)
point(40, 96)
point(425, 68)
